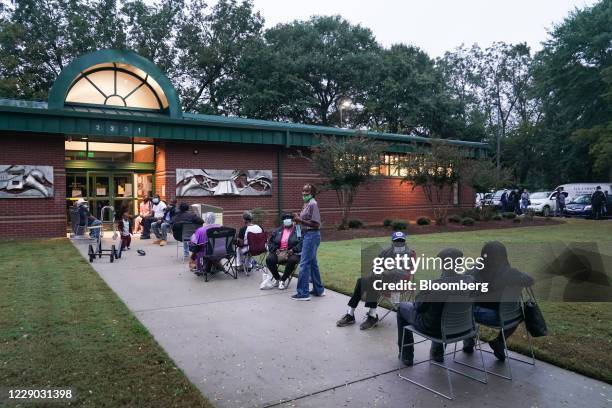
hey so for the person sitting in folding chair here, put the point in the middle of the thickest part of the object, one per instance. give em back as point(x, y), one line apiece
point(242, 241)
point(185, 217)
point(425, 313)
point(398, 246)
point(284, 247)
point(200, 238)
point(501, 278)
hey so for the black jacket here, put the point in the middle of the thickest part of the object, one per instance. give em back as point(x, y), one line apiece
point(295, 243)
point(187, 217)
point(598, 198)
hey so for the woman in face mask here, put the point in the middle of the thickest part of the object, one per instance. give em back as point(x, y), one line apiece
point(284, 247)
point(310, 221)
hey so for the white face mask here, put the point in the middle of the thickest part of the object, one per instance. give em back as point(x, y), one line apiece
point(399, 248)
point(287, 222)
point(156, 201)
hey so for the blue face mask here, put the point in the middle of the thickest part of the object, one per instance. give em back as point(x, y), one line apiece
point(287, 222)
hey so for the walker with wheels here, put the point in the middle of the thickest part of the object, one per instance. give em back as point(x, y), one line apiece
point(95, 249)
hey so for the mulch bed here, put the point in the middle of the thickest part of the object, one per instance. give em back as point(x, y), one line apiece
point(329, 234)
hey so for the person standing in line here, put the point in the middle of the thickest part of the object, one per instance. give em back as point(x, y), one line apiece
point(560, 201)
point(524, 201)
point(598, 200)
point(310, 221)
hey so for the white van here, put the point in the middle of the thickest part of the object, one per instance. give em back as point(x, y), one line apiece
point(577, 189)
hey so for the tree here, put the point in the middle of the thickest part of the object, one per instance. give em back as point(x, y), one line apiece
point(346, 164)
point(436, 170)
point(211, 48)
point(325, 60)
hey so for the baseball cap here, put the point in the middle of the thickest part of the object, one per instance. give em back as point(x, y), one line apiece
point(397, 235)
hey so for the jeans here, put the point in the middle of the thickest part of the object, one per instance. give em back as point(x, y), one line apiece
point(309, 267)
point(95, 233)
point(488, 317)
point(185, 249)
point(160, 229)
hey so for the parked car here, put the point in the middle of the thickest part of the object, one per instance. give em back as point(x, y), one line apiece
point(482, 199)
point(545, 202)
point(579, 206)
point(494, 199)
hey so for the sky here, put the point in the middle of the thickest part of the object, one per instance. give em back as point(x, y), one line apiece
point(435, 26)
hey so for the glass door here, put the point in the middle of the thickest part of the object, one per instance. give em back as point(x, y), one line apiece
point(100, 192)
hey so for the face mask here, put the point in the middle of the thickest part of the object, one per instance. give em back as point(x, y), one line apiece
point(399, 247)
point(287, 222)
point(307, 197)
point(156, 201)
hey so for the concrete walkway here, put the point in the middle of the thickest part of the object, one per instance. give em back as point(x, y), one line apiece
point(244, 347)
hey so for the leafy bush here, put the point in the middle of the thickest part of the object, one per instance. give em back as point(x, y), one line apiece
point(467, 221)
point(516, 220)
point(399, 225)
point(387, 222)
point(355, 223)
point(497, 217)
point(509, 215)
point(423, 221)
point(473, 213)
point(456, 218)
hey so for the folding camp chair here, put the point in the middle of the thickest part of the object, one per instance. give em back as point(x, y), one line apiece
point(220, 245)
point(182, 233)
point(255, 257)
point(457, 324)
point(511, 314)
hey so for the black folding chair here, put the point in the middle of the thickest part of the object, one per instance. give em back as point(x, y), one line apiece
point(220, 245)
point(182, 233)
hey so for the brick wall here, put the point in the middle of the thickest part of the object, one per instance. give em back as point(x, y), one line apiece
point(34, 217)
point(379, 199)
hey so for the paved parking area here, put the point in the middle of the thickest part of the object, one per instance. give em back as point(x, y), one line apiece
point(244, 347)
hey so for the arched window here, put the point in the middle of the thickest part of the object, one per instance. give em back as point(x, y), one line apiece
point(116, 84)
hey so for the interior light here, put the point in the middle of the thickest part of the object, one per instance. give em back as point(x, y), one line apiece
point(84, 138)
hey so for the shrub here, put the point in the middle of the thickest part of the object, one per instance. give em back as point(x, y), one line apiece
point(467, 221)
point(456, 218)
point(423, 221)
point(516, 220)
point(497, 217)
point(355, 223)
point(387, 222)
point(473, 213)
point(399, 225)
point(487, 213)
point(509, 215)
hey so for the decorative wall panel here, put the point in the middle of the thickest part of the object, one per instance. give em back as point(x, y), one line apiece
point(26, 181)
point(211, 182)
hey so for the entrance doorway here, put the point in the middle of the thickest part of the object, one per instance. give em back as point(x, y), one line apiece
point(123, 190)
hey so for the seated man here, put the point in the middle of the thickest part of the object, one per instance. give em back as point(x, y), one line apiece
point(425, 313)
point(398, 246)
point(242, 240)
point(502, 280)
point(161, 226)
point(184, 216)
point(284, 247)
point(157, 213)
point(200, 238)
point(86, 219)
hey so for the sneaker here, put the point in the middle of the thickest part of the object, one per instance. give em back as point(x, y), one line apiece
point(192, 264)
point(281, 285)
point(437, 357)
point(312, 293)
point(157, 241)
point(369, 322)
point(147, 237)
point(268, 284)
point(498, 349)
point(346, 320)
point(300, 297)
point(162, 242)
point(468, 346)
point(128, 248)
point(407, 360)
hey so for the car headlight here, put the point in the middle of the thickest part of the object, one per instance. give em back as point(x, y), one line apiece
point(587, 208)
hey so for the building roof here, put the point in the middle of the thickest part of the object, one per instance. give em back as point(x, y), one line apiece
point(36, 116)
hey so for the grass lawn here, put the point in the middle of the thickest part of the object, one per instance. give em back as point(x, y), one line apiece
point(61, 326)
point(580, 336)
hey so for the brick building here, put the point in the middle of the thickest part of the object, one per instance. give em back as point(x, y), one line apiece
point(113, 132)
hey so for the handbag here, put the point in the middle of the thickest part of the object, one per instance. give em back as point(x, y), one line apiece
point(534, 319)
point(283, 256)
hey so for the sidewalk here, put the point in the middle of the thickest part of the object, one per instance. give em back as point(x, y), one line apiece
point(245, 347)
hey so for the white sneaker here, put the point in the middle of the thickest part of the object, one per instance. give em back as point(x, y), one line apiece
point(274, 283)
point(281, 285)
point(267, 284)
